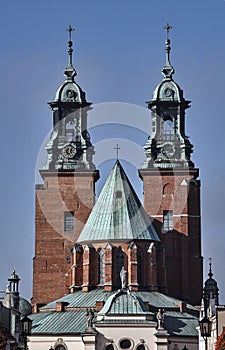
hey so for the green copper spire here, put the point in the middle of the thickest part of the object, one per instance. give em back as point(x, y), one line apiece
point(168, 69)
point(118, 214)
point(70, 72)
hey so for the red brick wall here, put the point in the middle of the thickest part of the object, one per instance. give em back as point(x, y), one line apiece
point(179, 191)
point(89, 274)
point(65, 191)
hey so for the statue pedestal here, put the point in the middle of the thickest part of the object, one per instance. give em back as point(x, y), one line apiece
point(89, 339)
point(89, 330)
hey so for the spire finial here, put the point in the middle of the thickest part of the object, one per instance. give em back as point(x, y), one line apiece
point(70, 71)
point(117, 151)
point(70, 30)
point(168, 70)
point(167, 27)
point(210, 274)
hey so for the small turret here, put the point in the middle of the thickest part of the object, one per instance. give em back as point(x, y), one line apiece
point(210, 290)
point(14, 282)
point(14, 290)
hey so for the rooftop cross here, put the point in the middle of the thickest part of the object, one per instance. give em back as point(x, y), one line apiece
point(70, 30)
point(70, 71)
point(117, 151)
point(210, 274)
point(168, 70)
point(167, 27)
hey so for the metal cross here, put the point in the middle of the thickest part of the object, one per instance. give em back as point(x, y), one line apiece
point(167, 27)
point(70, 30)
point(117, 150)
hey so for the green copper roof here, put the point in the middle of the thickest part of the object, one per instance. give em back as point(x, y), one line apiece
point(118, 213)
point(53, 322)
point(25, 307)
point(158, 300)
point(124, 302)
point(81, 299)
point(181, 324)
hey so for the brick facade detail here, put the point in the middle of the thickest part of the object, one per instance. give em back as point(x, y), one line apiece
point(178, 257)
point(139, 262)
point(61, 192)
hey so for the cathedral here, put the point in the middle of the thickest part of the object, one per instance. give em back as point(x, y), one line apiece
point(114, 273)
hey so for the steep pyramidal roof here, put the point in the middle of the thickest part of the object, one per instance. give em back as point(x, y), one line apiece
point(118, 214)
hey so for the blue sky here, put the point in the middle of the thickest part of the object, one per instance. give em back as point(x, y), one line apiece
point(118, 54)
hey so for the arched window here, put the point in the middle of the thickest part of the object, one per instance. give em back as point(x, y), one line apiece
point(168, 129)
point(167, 189)
point(167, 220)
point(60, 347)
point(140, 347)
point(70, 129)
point(101, 265)
point(119, 265)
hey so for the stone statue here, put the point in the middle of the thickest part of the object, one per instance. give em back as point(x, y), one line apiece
point(90, 316)
point(123, 277)
point(160, 318)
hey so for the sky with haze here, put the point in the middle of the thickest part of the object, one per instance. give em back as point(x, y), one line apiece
point(119, 51)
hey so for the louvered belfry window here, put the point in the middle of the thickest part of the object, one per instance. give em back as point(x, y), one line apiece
point(68, 221)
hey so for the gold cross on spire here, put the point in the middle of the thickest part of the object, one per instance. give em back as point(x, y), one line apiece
point(168, 28)
point(117, 151)
point(70, 30)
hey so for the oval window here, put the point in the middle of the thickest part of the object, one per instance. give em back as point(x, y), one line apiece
point(125, 344)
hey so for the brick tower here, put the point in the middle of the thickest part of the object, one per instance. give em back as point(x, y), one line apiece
point(172, 191)
point(66, 197)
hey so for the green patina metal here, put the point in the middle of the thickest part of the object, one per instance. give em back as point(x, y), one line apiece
point(118, 213)
point(122, 303)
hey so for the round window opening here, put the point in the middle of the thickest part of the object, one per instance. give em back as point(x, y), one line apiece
point(110, 347)
point(125, 344)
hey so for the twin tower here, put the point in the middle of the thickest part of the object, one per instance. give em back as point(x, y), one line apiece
point(80, 244)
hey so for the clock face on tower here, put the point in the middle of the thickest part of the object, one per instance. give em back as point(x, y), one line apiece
point(69, 151)
point(168, 149)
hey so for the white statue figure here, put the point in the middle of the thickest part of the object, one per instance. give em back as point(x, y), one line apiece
point(160, 318)
point(123, 277)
